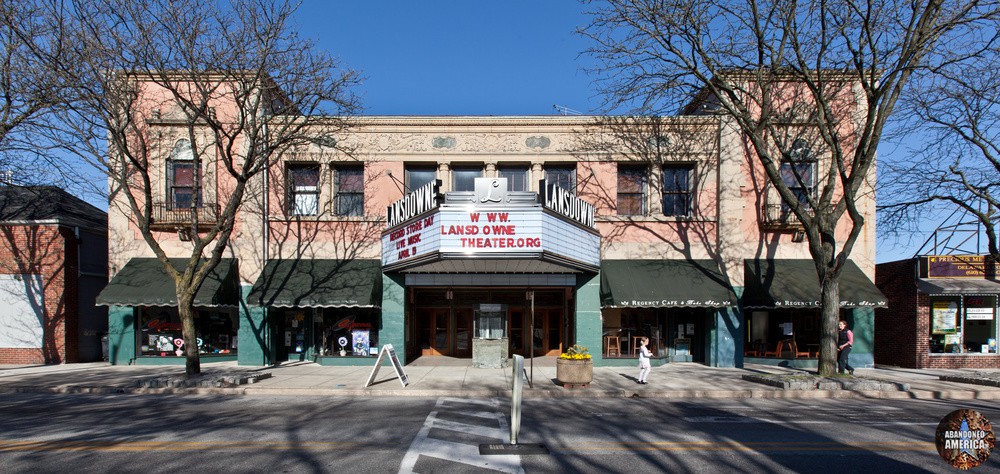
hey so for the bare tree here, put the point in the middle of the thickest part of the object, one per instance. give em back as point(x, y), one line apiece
point(32, 38)
point(957, 161)
point(812, 78)
point(227, 87)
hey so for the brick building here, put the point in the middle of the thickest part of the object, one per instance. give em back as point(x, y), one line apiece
point(942, 313)
point(53, 263)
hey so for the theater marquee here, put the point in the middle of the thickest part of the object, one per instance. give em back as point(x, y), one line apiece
point(496, 228)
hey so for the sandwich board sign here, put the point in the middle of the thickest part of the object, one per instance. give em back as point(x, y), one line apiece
point(388, 349)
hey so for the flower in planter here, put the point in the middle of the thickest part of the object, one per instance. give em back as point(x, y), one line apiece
point(576, 352)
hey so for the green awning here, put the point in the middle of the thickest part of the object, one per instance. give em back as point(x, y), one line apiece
point(664, 284)
point(792, 283)
point(144, 282)
point(312, 283)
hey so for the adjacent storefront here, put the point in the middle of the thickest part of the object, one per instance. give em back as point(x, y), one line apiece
point(782, 312)
point(945, 311)
point(144, 325)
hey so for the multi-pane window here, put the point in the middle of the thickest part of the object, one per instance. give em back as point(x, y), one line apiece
point(517, 177)
point(182, 177)
point(798, 173)
point(632, 190)
point(563, 176)
point(676, 190)
point(303, 189)
point(417, 176)
point(349, 190)
point(463, 178)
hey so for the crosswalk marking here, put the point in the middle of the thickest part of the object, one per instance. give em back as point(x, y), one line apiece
point(425, 445)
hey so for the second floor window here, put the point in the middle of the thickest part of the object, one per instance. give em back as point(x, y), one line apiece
point(182, 177)
point(676, 190)
point(632, 190)
point(562, 176)
point(417, 176)
point(463, 178)
point(798, 173)
point(303, 189)
point(517, 177)
point(349, 190)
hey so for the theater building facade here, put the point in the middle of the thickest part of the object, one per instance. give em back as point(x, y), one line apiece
point(482, 237)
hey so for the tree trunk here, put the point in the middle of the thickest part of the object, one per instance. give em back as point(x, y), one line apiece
point(829, 317)
point(185, 310)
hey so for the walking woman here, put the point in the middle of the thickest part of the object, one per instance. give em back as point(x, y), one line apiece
point(644, 367)
point(845, 339)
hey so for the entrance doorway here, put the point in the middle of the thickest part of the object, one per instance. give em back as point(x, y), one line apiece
point(443, 326)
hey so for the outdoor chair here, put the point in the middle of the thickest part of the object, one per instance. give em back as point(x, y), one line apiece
point(777, 350)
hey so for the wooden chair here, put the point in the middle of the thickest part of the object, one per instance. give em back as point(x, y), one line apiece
point(796, 353)
point(612, 344)
point(777, 351)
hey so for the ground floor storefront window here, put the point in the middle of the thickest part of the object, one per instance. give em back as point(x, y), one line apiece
point(784, 333)
point(161, 335)
point(346, 331)
point(677, 333)
point(963, 324)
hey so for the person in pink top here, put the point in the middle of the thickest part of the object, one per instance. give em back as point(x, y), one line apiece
point(845, 340)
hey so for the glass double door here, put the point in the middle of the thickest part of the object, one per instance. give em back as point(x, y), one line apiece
point(448, 331)
point(546, 337)
point(444, 331)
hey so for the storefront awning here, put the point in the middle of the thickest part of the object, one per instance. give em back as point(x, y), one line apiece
point(953, 286)
point(663, 284)
point(144, 282)
point(792, 283)
point(319, 284)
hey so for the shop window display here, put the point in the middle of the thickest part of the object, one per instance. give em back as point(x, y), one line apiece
point(161, 333)
point(346, 332)
point(963, 325)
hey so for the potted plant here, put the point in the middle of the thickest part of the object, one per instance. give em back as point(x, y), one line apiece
point(575, 367)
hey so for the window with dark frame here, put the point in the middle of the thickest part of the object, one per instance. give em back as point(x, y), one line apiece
point(182, 177)
point(563, 176)
point(417, 176)
point(677, 190)
point(798, 174)
point(349, 190)
point(463, 178)
point(517, 177)
point(632, 190)
point(303, 189)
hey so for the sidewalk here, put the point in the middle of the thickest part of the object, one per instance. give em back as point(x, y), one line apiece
point(673, 381)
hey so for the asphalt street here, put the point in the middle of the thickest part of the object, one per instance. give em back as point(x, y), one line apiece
point(152, 434)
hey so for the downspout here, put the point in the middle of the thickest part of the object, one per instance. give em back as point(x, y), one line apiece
point(265, 251)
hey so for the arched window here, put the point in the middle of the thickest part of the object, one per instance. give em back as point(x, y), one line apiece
point(182, 177)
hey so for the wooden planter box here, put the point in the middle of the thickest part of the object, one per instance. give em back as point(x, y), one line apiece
point(575, 373)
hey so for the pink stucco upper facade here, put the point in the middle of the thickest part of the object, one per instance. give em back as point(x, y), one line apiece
point(686, 188)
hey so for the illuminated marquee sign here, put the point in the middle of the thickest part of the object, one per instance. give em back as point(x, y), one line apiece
point(493, 225)
point(421, 200)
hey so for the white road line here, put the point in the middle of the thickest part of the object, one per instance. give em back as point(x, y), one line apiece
point(424, 445)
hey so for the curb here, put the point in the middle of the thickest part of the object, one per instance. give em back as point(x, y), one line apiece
point(527, 394)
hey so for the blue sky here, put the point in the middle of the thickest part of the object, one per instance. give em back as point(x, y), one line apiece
point(450, 57)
